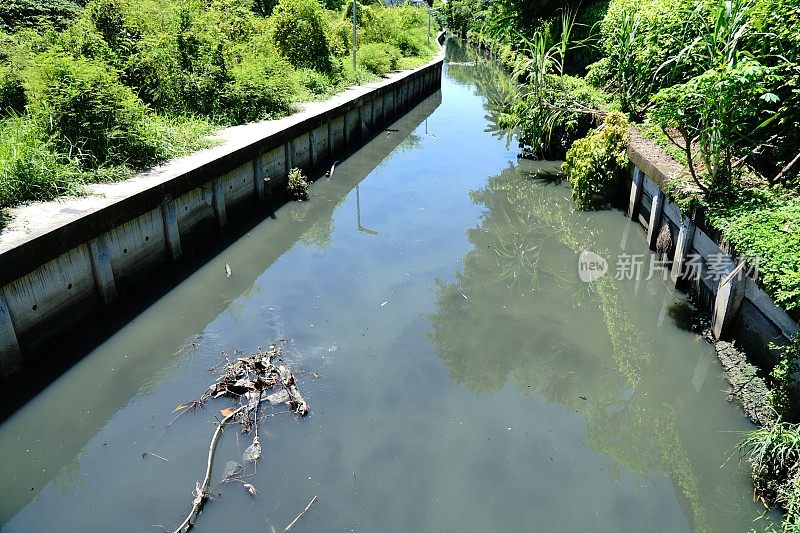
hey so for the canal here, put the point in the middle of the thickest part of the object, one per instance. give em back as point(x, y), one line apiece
point(461, 375)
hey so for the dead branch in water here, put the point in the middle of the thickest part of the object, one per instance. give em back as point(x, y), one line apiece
point(245, 379)
point(296, 402)
point(296, 518)
point(201, 490)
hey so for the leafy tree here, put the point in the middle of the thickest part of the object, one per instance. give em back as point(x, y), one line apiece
point(716, 112)
point(264, 7)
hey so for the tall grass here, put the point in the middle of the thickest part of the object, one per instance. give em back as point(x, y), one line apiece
point(551, 109)
point(32, 167)
point(774, 456)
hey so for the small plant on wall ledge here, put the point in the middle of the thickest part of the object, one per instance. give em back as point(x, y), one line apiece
point(298, 184)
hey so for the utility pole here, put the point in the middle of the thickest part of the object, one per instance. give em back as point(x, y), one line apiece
point(355, 69)
point(429, 26)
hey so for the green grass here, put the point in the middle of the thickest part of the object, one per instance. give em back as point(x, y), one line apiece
point(32, 168)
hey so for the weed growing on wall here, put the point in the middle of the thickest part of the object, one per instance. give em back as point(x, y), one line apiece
point(297, 185)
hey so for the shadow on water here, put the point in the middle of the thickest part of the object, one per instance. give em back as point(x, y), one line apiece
point(309, 223)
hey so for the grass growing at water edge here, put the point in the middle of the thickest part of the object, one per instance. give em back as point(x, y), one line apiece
point(774, 456)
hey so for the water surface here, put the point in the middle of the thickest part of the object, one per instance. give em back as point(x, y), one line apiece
point(467, 379)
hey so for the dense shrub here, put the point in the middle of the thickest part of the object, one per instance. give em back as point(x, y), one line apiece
point(764, 222)
point(259, 89)
point(15, 14)
point(596, 165)
point(12, 93)
point(314, 82)
point(397, 27)
point(776, 41)
point(587, 27)
point(264, 7)
point(82, 39)
point(340, 32)
point(783, 377)
point(549, 119)
point(641, 40)
point(300, 34)
point(110, 22)
point(88, 111)
point(378, 58)
point(125, 83)
point(461, 16)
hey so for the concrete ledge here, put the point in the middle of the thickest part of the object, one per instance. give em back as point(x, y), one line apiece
point(62, 261)
point(652, 160)
point(733, 303)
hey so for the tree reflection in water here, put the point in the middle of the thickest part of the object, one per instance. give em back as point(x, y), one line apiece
point(519, 311)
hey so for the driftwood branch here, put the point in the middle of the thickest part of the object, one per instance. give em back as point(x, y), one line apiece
point(201, 490)
point(296, 402)
point(298, 517)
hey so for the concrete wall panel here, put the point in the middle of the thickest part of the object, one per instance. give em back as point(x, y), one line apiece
point(321, 145)
point(238, 186)
point(274, 163)
point(194, 209)
point(137, 246)
point(353, 126)
point(337, 133)
point(50, 293)
point(301, 155)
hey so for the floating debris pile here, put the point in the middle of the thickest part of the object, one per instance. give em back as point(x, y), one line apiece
point(251, 380)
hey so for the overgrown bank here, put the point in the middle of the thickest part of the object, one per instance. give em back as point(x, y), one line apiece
point(92, 93)
point(718, 77)
point(715, 84)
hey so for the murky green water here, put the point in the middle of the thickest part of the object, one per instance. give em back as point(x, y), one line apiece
point(468, 380)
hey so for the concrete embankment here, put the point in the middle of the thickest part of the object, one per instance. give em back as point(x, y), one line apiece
point(703, 262)
point(67, 262)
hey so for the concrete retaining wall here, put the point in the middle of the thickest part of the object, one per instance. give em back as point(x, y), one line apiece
point(75, 263)
point(741, 310)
